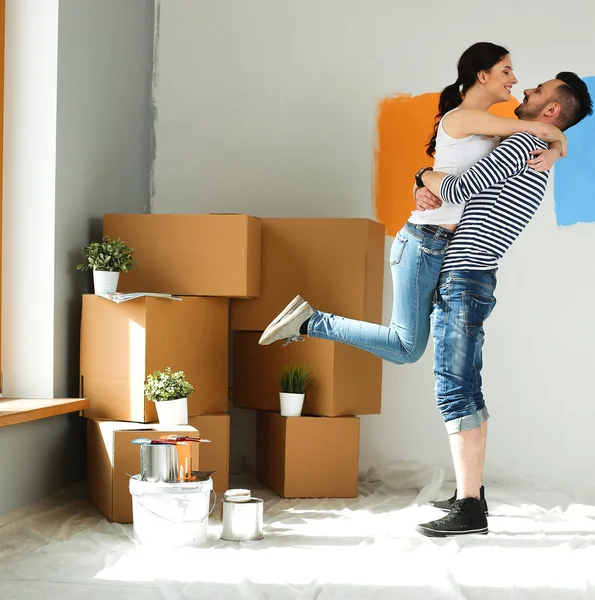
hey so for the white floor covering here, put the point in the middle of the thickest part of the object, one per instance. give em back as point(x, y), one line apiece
point(541, 546)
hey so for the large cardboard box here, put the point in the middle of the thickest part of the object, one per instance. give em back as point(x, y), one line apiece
point(308, 457)
point(190, 255)
point(112, 459)
point(122, 343)
point(335, 264)
point(214, 456)
point(345, 380)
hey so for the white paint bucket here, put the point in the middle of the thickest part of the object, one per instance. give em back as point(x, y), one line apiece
point(170, 515)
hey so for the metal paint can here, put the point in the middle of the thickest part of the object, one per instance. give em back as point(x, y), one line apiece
point(242, 521)
point(159, 462)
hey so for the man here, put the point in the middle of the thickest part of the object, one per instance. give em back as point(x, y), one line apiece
point(502, 194)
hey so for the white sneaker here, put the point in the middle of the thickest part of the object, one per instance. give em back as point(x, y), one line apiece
point(289, 308)
point(287, 327)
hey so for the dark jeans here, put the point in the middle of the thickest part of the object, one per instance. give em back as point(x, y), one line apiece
point(463, 301)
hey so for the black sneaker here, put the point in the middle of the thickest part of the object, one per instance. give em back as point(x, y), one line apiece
point(446, 505)
point(466, 516)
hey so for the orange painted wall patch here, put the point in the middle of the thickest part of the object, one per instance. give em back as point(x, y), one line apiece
point(404, 126)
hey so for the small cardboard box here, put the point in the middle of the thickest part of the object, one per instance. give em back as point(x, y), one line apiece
point(214, 456)
point(190, 255)
point(112, 459)
point(345, 380)
point(337, 265)
point(122, 343)
point(308, 457)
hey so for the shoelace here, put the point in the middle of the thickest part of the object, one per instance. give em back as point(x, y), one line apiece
point(295, 338)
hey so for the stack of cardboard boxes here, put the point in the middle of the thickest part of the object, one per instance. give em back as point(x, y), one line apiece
point(260, 264)
point(337, 266)
point(205, 260)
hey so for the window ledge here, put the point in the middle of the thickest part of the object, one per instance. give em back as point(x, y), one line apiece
point(21, 410)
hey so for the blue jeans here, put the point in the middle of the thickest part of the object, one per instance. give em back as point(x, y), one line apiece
point(464, 300)
point(415, 262)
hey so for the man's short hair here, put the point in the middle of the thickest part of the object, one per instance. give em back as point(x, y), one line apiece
point(574, 98)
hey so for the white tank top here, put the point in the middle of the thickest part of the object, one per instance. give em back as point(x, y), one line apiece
point(453, 156)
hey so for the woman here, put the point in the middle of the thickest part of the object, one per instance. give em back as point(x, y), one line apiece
point(464, 133)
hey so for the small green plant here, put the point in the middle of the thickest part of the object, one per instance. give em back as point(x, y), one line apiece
point(107, 255)
point(162, 386)
point(294, 379)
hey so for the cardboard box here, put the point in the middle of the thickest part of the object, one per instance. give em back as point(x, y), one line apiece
point(215, 455)
point(122, 343)
point(345, 380)
point(190, 255)
point(337, 265)
point(308, 457)
point(112, 458)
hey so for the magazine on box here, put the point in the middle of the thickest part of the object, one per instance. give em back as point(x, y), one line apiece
point(119, 297)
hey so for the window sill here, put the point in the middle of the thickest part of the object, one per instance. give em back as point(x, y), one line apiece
point(22, 410)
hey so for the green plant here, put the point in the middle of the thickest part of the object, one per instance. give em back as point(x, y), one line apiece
point(294, 379)
point(107, 255)
point(165, 385)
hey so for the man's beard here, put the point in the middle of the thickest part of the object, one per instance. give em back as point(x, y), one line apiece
point(528, 112)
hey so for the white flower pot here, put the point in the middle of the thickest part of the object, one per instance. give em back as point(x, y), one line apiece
point(291, 404)
point(105, 282)
point(173, 412)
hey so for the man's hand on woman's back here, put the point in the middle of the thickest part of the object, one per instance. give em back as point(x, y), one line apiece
point(425, 200)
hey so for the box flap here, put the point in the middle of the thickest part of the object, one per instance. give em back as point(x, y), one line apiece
point(109, 428)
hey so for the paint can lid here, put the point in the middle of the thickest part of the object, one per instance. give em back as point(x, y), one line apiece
point(237, 495)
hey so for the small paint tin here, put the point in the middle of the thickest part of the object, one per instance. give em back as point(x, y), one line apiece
point(242, 521)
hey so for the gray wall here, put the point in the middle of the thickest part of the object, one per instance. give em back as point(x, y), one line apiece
point(103, 158)
point(104, 124)
point(101, 133)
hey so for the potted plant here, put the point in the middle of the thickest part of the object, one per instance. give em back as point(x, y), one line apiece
point(170, 393)
point(294, 381)
point(107, 259)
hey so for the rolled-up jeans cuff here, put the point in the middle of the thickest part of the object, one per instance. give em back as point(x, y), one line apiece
point(468, 422)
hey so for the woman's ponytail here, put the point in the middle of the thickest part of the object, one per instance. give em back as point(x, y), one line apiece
point(450, 98)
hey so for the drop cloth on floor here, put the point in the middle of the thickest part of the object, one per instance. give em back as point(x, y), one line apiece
point(541, 545)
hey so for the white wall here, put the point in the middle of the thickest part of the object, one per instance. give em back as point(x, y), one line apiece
point(28, 239)
point(268, 108)
point(76, 145)
point(28, 202)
